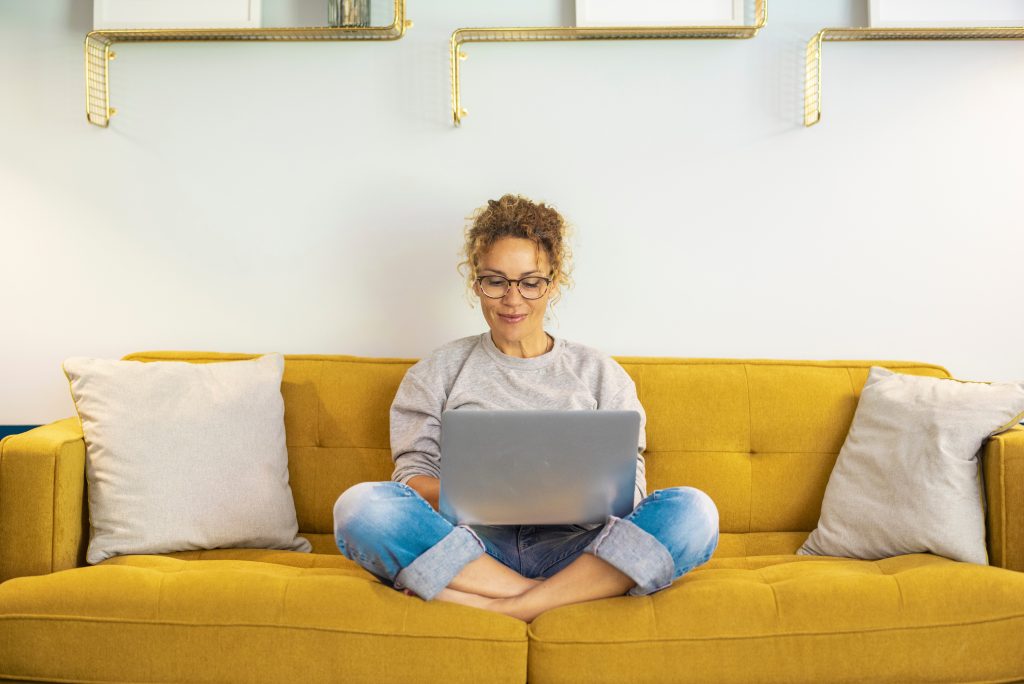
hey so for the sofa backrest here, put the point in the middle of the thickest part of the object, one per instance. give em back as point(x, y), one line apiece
point(759, 436)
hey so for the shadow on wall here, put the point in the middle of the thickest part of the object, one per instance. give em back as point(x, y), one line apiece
point(79, 16)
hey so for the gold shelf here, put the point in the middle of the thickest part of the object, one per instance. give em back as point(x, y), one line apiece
point(812, 82)
point(554, 33)
point(98, 52)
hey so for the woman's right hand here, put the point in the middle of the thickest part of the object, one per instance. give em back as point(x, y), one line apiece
point(427, 487)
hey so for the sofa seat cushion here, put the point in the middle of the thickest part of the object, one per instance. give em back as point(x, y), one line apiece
point(293, 559)
point(796, 619)
point(162, 619)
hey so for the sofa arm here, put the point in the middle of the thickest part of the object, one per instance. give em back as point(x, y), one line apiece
point(1003, 465)
point(43, 512)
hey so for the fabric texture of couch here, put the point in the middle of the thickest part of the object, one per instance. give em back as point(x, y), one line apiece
point(759, 436)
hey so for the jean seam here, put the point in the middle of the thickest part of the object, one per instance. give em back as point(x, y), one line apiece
point(653, 496)
point(495, 554)
point(519, 545)
point(564, 556)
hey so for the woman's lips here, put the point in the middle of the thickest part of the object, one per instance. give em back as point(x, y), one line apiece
point(512, 319)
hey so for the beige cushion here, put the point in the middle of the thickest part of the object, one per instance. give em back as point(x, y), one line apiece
point(183, 456)
point(907, 479)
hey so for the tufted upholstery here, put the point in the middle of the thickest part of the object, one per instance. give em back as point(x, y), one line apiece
point(759, 436)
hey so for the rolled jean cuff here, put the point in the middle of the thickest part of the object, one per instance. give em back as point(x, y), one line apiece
point(435, 568)
point(636, 553)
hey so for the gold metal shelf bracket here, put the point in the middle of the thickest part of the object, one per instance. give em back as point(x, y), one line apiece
point(98, 52)
point(555, 33)
point(812, 64)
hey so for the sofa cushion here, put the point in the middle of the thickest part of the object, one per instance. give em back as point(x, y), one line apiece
point(182, 456)
point(161, 619)
point(293, 559)
point(796, 619)
point(907, 478)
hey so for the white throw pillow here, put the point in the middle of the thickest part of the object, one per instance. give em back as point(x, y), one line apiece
point(907, 479)
point(183, 456)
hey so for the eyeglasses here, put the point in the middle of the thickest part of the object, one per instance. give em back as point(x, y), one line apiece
point(496, 287)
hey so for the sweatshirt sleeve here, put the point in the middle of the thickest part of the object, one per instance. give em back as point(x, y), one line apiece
point(415, 430)
point(626, 399)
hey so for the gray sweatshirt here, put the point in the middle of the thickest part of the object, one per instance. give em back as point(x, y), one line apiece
point(472, 373)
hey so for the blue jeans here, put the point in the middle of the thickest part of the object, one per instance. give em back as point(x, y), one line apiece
point(392, 532)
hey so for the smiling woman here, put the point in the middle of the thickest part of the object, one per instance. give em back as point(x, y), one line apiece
point(516, 260)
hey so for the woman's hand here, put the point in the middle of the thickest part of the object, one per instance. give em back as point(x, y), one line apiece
point(427, 487)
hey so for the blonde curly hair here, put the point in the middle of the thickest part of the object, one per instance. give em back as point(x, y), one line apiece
point(519, 217)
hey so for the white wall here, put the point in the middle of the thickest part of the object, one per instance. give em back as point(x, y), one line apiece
point(309, 198)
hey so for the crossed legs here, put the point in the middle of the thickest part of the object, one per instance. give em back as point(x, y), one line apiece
point(585, 579)
point(396, 535)
point(669, 533)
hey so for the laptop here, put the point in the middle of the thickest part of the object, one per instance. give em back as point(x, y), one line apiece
point(537, 467)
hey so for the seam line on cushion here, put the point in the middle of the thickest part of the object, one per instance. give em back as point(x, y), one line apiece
point(693, 451)
point(319, 399)
point(53, 507)
point(311, 628)
point(899, 589)
point(793, 363)
point(751, 637)
point(284, 597)
point(240, 356)
point(649, 600)
point(405, 618)
point(750, 451)
point(3, 447)
point(638, 360)
point(1002, 503)
point(775, 597)
point(160, 593)
point(321, 446)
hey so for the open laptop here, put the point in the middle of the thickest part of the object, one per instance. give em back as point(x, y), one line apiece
point(537, 467)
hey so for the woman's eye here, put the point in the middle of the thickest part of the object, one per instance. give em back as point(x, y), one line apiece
point(530, 286)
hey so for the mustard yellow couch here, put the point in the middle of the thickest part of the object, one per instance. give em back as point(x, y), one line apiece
point(759, 436)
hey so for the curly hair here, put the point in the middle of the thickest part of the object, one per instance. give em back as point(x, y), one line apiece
point(519, 217)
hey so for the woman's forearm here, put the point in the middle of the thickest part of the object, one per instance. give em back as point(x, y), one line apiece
point(427, 487)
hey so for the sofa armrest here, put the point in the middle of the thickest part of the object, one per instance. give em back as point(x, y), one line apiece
point(43, 511)
point(1003, 465)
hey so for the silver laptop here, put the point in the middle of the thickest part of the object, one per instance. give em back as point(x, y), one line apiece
point(537, 467)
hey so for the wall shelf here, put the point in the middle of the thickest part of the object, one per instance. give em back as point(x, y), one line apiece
point(561, 33)
point(812, 82)
point(98, 52)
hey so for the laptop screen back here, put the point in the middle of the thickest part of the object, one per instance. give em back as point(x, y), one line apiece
point(537, 467)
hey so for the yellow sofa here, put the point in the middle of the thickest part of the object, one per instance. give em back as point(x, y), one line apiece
point(760, 437)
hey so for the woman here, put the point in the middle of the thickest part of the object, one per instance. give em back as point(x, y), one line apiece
point(516, 260)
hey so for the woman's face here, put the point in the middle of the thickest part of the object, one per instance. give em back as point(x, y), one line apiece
point(513, 319)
